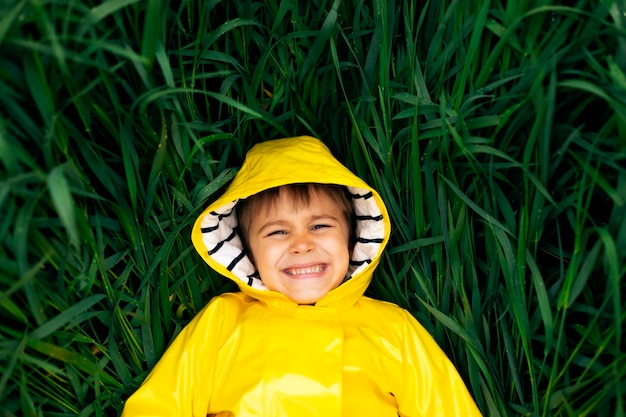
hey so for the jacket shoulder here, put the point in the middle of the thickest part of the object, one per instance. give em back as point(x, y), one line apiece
point(232, 300)
point(387, 315)
point(224, 308)
point(383, 306)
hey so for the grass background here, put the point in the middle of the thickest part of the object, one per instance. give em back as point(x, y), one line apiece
point(494, 130)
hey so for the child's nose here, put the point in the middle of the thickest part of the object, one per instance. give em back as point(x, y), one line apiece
point(302, 243)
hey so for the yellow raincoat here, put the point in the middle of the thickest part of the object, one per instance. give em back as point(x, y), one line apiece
point(257, 353)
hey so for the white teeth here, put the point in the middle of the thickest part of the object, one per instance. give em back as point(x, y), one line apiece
point(309, 270)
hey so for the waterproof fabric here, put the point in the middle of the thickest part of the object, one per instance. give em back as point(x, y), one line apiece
point(257, 353)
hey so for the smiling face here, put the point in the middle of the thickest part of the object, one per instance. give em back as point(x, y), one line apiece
point(301, 249)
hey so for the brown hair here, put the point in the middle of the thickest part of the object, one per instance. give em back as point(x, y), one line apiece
point(299, 194)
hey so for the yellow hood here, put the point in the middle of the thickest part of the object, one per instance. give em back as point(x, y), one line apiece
point(289, 161)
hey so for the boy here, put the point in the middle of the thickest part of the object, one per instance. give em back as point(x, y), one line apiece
point(301, 236)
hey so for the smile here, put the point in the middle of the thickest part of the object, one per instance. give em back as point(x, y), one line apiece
point(314, 269)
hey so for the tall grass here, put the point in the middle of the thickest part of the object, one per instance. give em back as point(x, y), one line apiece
point(494, 130)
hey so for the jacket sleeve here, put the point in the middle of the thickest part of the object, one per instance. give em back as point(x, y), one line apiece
point(180, 384)
point(431, 384)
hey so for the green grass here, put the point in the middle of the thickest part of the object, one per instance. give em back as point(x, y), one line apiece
point(495, 132)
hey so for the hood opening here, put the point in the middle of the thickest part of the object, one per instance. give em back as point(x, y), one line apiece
point(222, 240)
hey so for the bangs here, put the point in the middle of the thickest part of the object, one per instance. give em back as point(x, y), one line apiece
point(299, 195)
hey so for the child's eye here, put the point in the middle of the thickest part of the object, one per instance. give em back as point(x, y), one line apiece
point(277, 232)
point(320, 226)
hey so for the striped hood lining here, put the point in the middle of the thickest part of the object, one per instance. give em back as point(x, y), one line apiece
point(220, 237)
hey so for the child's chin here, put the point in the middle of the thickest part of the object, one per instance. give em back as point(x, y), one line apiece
point(307, 299)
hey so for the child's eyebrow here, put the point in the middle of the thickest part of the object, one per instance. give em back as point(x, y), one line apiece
point(323, 217)
point(271, 224)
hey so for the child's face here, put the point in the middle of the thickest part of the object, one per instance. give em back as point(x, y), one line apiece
point(300, 251)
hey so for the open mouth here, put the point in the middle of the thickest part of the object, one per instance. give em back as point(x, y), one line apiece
point(313, 269)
